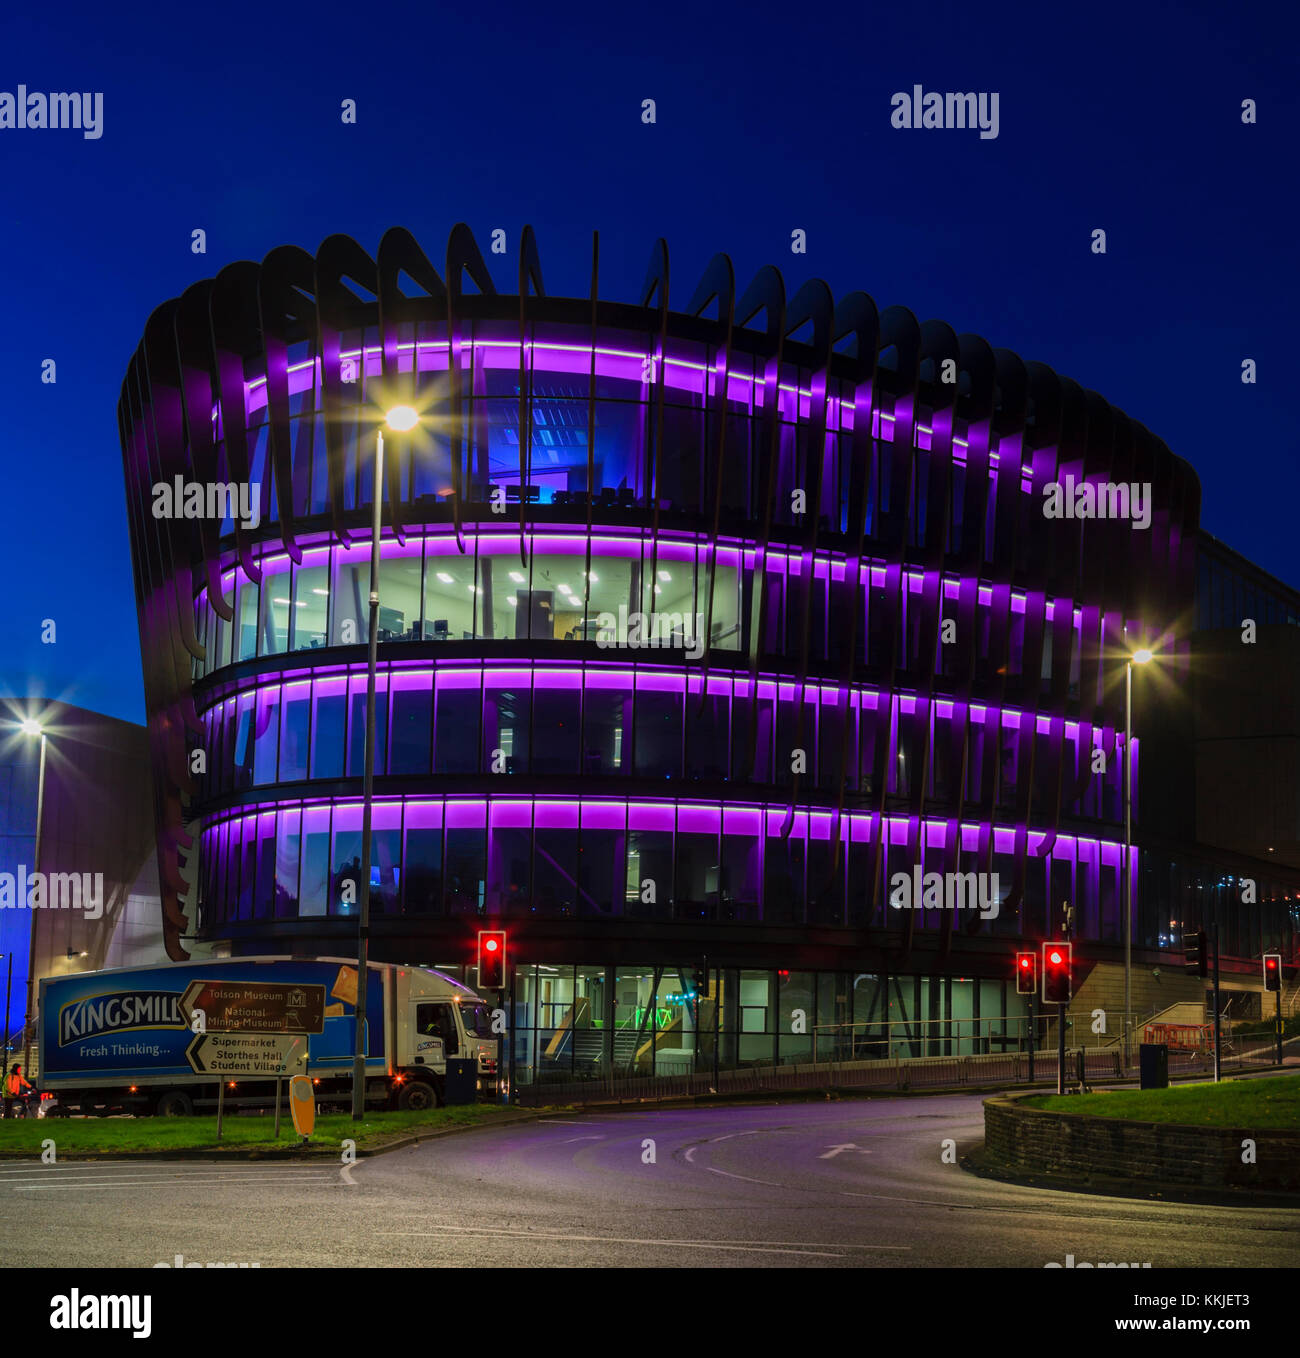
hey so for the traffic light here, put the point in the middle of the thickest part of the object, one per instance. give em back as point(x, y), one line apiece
point(492, 959)
point(1026, 974)
point(1196, 954)
point(1272, 971)
point(1056, 973)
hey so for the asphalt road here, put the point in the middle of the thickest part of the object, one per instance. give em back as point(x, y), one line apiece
point(849, 1184)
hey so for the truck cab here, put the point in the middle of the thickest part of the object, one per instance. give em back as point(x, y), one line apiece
point(441, 1019)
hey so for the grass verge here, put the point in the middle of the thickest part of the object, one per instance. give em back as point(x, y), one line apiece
point(116, 1135)
point(1272, 1103)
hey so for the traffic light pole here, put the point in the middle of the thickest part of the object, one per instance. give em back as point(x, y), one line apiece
point(1067, 921)
point(1033, 1031)
point(1218, 1023)
point(510, 1039)
point(1060, 1049)
point(717, 1029)
point(1278, 993)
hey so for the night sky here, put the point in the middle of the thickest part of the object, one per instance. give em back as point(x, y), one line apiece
point(770, 117)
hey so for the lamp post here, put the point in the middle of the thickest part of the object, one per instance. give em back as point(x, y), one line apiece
point(1137, 658)
point(29, 727)
point(9, 986)
point(399, 419)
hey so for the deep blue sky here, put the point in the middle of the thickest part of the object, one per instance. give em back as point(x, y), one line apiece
point(770, 117)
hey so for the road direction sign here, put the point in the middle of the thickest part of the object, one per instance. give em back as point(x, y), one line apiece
point(246, 1054)
point(255, 1006)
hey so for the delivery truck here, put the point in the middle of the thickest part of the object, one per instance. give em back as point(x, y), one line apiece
point(163, 1039)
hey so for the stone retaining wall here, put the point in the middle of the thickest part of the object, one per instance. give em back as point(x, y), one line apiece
point(1076, 1144)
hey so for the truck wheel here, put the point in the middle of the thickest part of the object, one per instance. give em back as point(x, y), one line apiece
point(417, 1097)
point(175, 1103)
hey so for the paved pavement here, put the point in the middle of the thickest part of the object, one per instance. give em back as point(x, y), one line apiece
point(848, 1184)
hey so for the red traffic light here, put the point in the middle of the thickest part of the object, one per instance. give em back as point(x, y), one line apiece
point(492, 959)
point(1273, 971)
point(1025, 973)
point(1058, 981)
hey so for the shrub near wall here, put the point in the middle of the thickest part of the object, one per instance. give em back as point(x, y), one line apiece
point(1079, 1146)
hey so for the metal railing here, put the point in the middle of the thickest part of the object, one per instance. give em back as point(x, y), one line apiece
point(880, 1071)
point(909, 1038)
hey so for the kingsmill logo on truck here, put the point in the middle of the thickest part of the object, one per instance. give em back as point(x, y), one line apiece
point(115, 1013)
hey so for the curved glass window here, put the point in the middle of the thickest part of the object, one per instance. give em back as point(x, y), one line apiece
point(602, 720)
point(645, 859)
point(641, 596)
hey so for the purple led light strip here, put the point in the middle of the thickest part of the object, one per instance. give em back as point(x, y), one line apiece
point(648, 813)
point(664, 678)
point(576, 359)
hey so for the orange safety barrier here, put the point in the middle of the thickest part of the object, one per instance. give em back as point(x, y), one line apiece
point(1181, 1036)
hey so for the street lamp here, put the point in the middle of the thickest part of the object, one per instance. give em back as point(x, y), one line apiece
point(400, 419)
point(29, 727)
point(1139, 657)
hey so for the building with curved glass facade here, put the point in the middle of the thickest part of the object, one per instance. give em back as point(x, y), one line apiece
point(696, 629)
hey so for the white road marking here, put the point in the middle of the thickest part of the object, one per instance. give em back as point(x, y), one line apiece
point(133, 1184)
point(100, 1170)
point(570, 1140)
point(833, 1151)
point(729, 1135)
point(690, 1154)
point(748, 1180)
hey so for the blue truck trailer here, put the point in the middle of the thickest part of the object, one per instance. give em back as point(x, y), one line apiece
point(163, 1039)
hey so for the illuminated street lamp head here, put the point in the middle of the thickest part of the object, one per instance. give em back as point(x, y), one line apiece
point(402, 418)
point(29, 727)
point(1141, 657)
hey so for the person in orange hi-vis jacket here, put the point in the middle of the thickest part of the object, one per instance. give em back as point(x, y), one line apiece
point(16, 1087)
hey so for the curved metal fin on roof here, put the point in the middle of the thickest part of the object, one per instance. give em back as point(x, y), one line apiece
point(656, 276)
point(194, 353)
point(939, 346)
point(530, 264)
point(717, 284)
point(1012, 404)
point(288, 299)
point(900, 330)
point(235, 315)
point(977, 358)
point(464, 257)
point(400, 253)
point(813, 304)
point(857, 317)
point(765, 293)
